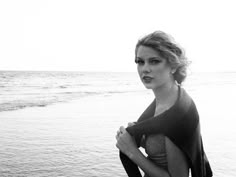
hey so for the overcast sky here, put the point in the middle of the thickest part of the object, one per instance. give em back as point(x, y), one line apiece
point(100, 35)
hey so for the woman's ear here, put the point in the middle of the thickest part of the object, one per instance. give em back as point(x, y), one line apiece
point(173, 70)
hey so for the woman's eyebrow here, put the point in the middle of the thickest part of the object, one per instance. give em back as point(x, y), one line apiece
point(148, 58)
point(151, 58)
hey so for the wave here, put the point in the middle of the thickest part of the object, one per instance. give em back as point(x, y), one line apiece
point(63, 86)
point(37, 100)
point(21, 105)
point(25, 89)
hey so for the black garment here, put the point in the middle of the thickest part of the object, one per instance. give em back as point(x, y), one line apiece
point(181, 125)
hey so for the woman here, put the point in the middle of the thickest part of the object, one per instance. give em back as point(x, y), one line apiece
point(169, 128)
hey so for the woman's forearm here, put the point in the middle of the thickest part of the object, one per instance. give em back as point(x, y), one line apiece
point(147, 166)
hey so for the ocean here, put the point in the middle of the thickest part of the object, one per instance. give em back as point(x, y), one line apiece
point(64, 123)
point(31, 89)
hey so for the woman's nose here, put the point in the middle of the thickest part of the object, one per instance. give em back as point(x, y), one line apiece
point(146, 68)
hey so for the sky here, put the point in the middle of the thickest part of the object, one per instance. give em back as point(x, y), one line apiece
point(100, 35)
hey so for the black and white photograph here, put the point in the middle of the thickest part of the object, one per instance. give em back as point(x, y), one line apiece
point(114, 88)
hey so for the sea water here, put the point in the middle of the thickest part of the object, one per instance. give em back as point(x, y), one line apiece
point(64, 123)
point(32, 89)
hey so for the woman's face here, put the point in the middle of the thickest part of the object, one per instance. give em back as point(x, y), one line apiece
point(154, 71)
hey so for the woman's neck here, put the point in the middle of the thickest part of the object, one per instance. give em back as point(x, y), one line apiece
point(166, 95)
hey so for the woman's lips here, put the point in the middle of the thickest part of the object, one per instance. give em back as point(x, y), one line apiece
point(147, 79)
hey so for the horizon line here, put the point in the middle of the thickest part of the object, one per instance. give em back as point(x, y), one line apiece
point(105, 71)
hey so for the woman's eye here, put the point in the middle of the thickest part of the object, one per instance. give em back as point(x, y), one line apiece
point(154, 62)
point(139, 62)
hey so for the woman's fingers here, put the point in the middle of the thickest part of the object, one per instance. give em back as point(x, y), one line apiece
point(131, 124)
point(117, 134)
point(120, 132)
point(122, 129)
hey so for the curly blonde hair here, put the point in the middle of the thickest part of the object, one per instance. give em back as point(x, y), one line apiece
point(168, 49)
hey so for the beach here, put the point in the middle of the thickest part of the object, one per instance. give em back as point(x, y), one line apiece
point(77, 137)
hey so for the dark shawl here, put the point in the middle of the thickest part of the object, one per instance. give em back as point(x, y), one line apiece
point(181, 125)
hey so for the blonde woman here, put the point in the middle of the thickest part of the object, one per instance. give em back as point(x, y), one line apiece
point(169, 128)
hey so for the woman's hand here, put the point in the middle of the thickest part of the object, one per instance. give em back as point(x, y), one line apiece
point(130, 124)
point(126, 143)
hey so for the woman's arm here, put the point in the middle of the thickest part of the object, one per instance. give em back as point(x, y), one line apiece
point(147, 166)
point(126, 144)
point(178, 124)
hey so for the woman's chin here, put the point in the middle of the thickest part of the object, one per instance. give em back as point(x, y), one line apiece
point(148, 86)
